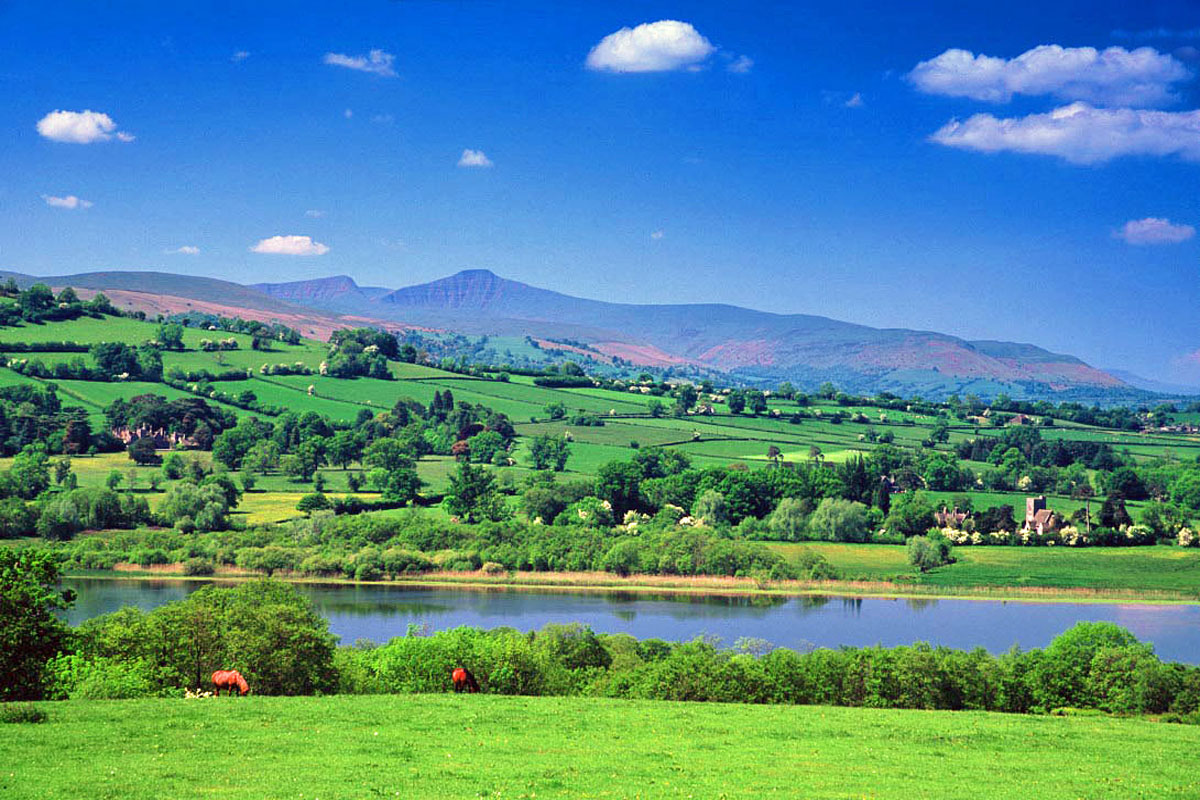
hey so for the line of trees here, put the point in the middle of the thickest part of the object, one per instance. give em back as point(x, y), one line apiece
point(267, 631)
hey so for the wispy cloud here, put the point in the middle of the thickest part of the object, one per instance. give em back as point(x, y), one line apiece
point(658, 234)
point(660, 46)
point(80, 127)
point(184, 250)
point(855, 101)
point(1154, 230)
point(376, 62)
point(1080, 134)
point(1111, 77)
point(348, 113)
point(474, 158)
point(740, 65)
point(315, 213)
point(240, 55)
point(290, 246)
point(70, 201)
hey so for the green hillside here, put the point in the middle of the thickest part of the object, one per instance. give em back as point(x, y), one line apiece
point(627, 423)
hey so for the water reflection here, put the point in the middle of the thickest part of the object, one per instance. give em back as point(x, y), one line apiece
point(380, 612)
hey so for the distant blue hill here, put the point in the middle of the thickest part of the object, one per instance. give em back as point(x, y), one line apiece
point(756, 345)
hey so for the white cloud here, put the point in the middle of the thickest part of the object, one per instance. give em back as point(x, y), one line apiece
point(1111, 77)
point(474, 158)
point(348, 113)
point(1080, 134)
point(80, 127)
point(315, 213)
point(376, 62)
point(70, 201)
point(1154, 230)
point(651, 47)
point(290, 246)
point(383, 119)
point(240, 55)
point(741, 65)
point(185, 250)
point(855, 101)
point(658, 234)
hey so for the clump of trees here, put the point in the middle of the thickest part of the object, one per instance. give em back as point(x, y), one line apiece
point(266, 630)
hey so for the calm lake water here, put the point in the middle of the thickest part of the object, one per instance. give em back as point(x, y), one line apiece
point(381, 612)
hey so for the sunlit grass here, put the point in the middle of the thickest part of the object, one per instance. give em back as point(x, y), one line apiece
point(489, 746)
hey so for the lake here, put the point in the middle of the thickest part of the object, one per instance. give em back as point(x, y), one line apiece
point(380, 612)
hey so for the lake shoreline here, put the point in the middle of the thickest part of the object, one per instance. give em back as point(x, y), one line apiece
point(605, 583)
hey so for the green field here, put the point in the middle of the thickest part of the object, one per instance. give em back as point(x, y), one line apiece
point(719, 439)
point(723, 438)
point(465, 746)
point(1134, 569)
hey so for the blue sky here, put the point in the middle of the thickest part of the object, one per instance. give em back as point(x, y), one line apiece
point(790, 157)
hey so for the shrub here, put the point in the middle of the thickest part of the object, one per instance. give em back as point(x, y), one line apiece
point(21, 713)
point(929, 552)
point(74, 677)
point(198, 566)
point(317, 501)
point(367, 572)
point(840, 520)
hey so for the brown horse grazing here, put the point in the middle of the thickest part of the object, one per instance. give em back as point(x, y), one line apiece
point(229, 679)
point(464, 681)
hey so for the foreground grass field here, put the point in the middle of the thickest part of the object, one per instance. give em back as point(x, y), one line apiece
point(489, 746)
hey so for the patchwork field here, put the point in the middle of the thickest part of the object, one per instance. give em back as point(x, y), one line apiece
point(721, 438)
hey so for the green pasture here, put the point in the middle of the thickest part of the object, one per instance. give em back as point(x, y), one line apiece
point(382, 395)
point(540, 396)
point(87, 330)
point(435, 746)
point(617, 433)
point(1149, 569)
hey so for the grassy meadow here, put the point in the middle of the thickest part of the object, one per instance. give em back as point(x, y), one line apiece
point(418, 746)
point(1167, 570)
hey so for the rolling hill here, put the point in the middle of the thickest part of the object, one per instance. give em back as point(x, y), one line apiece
point(753, 346)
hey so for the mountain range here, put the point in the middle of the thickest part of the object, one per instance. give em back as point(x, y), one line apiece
point(754, 346)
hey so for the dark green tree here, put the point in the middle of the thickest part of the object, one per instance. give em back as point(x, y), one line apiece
point(549, 452)
point(472, 493)
point(30, 633)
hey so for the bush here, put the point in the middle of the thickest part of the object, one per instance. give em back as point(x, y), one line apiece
point(76, 678)
point(367, 572)
point(21, 713)
point(929, 552)
point(198, 566)
point(839, 520)
point(317, 501)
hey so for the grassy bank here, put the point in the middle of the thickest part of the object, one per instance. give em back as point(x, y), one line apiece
point(1139, 571)
point(694, 585)
point(491, 746)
